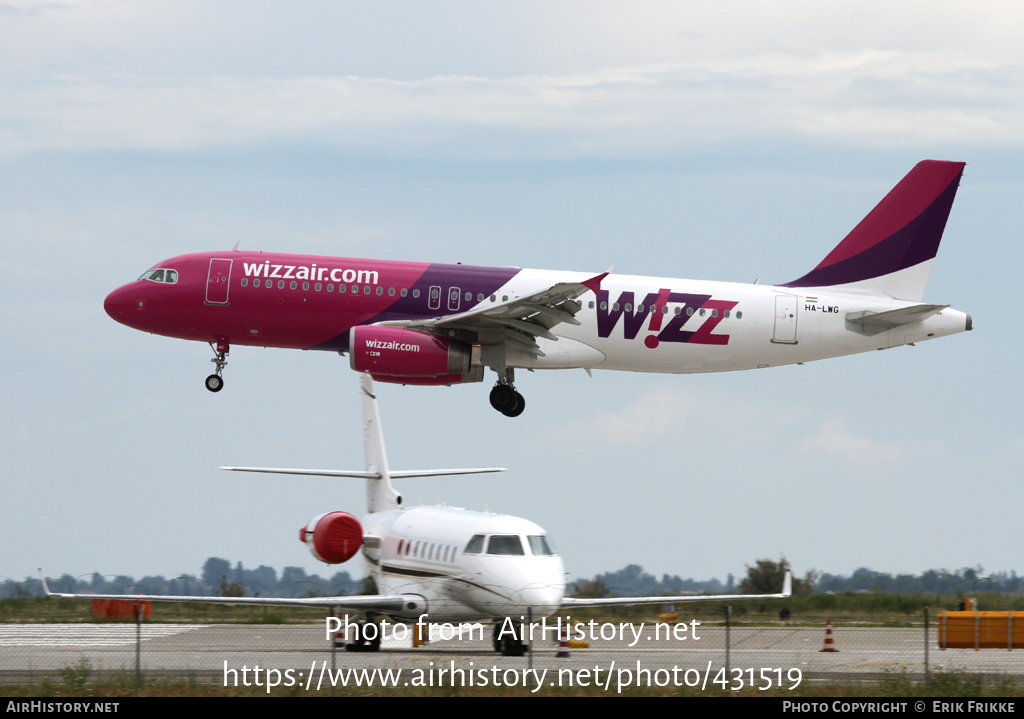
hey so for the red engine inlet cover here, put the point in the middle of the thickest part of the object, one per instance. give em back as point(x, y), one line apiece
point(334, 537)
point(397, 352)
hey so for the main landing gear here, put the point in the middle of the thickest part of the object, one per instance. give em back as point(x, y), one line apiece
point(504, 397)
point(215, 383)
point(366, 639)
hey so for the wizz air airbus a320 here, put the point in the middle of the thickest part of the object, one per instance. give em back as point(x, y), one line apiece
point(433, 564)
point(436, 324)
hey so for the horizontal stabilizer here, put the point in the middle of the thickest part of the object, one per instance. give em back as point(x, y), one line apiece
point(403, 474)
point(872, 323)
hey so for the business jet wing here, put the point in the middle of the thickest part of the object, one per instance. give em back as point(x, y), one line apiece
point(518, 321)
point(383, 603)
point(787, 590)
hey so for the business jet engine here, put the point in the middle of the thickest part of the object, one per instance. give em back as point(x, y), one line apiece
point(333, 537)
point(403, 356)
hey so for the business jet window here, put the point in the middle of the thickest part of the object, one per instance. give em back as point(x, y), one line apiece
point(160, 275)
point(475, 546)
point(539, 545)
point(505, 544)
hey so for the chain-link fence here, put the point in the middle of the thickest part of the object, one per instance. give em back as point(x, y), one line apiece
point(714, 652)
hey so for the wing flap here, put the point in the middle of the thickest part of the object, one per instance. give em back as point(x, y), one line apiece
point(518, 321)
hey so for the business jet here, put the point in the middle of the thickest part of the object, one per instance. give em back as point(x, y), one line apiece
point(432, 564)
point(419, 323)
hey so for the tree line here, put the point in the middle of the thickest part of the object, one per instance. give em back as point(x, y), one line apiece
point(219, 578)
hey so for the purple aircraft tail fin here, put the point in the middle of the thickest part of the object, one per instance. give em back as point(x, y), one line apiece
point(901, 233)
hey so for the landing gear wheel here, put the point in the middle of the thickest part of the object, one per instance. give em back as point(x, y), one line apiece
point(518, 409)
point(503, 398)
point(512, 647)
point(507, 645)
point(362, 643)
point(215, 383)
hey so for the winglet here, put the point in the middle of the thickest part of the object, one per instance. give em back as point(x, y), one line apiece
point(594, 283)
point(787, 584)
point(46, 587)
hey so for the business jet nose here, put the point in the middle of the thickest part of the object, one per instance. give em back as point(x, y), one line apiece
point(543, 600)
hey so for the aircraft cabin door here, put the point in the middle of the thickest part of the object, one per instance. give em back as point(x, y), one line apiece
point(434, 298)
point(454, 296)
point(785, 319)
point(218, 281)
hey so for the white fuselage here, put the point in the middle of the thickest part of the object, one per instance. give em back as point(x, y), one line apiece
point(766, 326)
point(423, 551)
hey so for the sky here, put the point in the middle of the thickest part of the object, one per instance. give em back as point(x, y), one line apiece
point(733, 141)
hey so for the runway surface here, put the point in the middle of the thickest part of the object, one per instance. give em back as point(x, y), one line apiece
point(617, 655)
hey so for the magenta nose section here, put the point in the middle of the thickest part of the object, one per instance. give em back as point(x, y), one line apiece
point(120, 304)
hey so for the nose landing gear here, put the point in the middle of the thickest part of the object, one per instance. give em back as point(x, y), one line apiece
point(215, 383)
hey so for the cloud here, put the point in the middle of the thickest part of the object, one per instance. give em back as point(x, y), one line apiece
point(867, 98)
point(671, 410)
point(647, 420)
point(835, 441)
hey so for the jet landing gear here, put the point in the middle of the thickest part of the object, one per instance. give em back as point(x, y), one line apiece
point(507, 643)
point(366, 639)
point(504, 397)
point(215, 383)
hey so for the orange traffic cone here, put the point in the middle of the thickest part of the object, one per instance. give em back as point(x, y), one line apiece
point(830, 643)
point(563, 641)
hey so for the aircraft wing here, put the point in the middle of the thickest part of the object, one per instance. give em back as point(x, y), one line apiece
point(518, 321)
point(787, 590)
point(382, 603)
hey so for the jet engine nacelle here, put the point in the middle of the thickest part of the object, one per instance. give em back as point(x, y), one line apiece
point(403, 356)
point(333, 537)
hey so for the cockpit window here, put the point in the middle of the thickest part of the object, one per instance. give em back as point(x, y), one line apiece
point(539, 545)
point(475, 546)
point(506, 544)
point(159, 274)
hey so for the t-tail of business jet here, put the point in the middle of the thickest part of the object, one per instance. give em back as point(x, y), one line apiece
point(435, 324)
point(431, 564)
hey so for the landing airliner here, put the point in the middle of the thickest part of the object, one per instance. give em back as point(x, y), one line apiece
point(436, 324)
point(432, 564)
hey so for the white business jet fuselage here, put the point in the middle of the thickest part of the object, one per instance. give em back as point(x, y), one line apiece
point(432, 564)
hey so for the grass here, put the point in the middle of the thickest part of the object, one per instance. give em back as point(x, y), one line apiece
point(75, 682)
